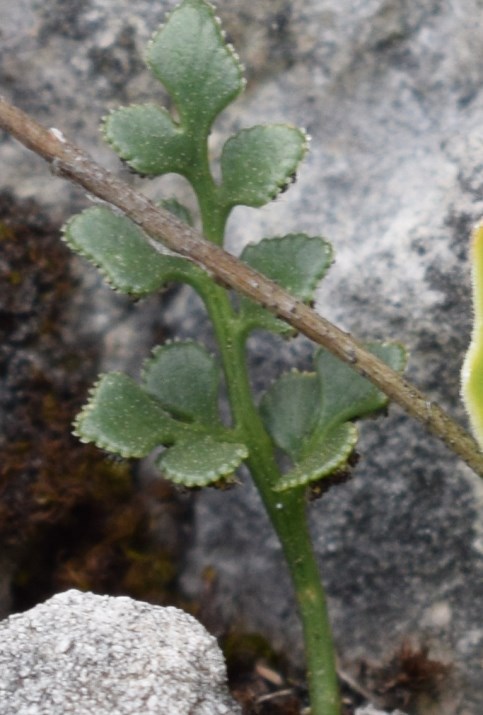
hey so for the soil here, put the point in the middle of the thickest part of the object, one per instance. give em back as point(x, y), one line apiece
point(264, 690)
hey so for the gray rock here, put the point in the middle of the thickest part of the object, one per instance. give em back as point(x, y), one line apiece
point(80, 653)
point(369, 710)
point(391, 93)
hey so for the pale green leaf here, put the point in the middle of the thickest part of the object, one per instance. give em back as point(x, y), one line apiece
point(121, 251)
point(328, 456)
point(121, 418)
point(201, 461)
point(296, 262)
point(200, 71)
point(185, 379)
point(147, 138)
point(346, 395)
point(308, 415)
point(258, 163)
point(255, 317)
point(289, 410)
point(472, 371)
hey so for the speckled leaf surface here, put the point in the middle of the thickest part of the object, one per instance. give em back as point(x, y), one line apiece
point(148, 139)
point(308, 415)
point(201, 461)
point(296, 262)
point(121, 251)
point(324, 459)
point(122, 418)
point(346, 395)
point(185, 379)
point(190, 57)
point(258, 163)
point(289, 410)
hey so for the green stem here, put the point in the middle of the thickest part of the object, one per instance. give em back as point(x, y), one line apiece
point(293, 533)
point(213, 214)
point(286, 510)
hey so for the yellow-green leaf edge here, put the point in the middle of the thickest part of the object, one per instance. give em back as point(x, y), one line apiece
point(472, 371)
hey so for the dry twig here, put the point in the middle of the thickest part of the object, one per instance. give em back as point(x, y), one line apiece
point(70, 162)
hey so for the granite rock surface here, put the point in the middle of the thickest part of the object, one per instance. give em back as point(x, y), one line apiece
point(80, 653)
point(391, 93)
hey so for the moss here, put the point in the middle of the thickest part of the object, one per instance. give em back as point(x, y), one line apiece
point(69, 517)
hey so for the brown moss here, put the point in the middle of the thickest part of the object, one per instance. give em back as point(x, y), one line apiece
point(69, 516)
